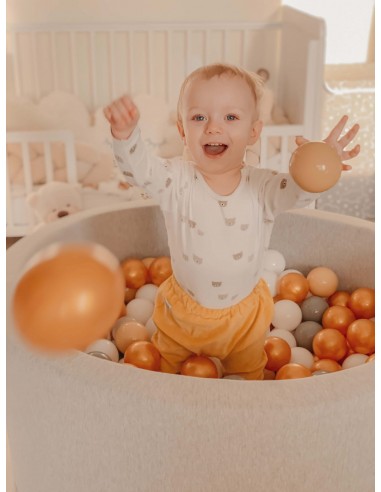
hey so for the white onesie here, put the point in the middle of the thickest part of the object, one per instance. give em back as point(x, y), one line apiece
point(216, 242)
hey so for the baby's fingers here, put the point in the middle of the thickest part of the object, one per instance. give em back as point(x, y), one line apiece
point(300, 140)
point(349, 136)
point(350, 154)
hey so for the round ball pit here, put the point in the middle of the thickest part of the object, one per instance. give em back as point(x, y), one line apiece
point(77, 423)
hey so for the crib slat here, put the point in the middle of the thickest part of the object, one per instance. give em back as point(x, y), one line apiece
point(169, 66)
point(94, 90)
point(150, 62)
point(48, 162)
point(27, 176)
point(35, 67)
point(263, 152)
point(71, 165)
point(54, 59)
point(129, 64)
point(74, 76)
point(16, 64)
point(9, 211)
point(111, 45)
point(284, 155)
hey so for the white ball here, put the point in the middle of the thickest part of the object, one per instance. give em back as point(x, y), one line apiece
point(148, 291)
point(274, 261)
point(287, 315)
point(354, 360)
point(220, 367)
point(302, 356)
point(104, 346)
point(287, 336)
point(140, 309)
point(271, 280)
point(151, 327)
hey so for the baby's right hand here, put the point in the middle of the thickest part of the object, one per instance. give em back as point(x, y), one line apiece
point(123, 117)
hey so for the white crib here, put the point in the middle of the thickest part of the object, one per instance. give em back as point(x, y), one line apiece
point(96, 63)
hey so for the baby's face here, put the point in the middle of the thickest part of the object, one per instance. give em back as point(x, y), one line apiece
point(218, 122)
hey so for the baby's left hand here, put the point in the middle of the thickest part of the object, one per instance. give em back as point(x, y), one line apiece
point(339, 144)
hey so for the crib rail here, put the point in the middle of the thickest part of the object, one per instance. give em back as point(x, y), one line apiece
point(20, 217)
point(103, 61)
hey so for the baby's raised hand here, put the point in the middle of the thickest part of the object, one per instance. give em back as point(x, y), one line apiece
point(123, 117)
point(339, 144)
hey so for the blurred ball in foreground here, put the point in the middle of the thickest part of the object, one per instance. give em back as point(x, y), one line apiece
point(69, 296)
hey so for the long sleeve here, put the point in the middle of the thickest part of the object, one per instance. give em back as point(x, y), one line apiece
point(140, 168)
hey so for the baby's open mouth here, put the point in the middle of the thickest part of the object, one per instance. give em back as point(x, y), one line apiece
point(215, 148)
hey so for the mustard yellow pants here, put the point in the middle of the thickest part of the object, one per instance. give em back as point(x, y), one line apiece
point(235, 334)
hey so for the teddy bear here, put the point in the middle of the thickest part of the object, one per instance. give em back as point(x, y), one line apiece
point(55, 200)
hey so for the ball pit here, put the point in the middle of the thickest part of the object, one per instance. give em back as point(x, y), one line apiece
point(82, 423)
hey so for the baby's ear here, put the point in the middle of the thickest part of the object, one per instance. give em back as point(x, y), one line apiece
point(181, 130)
point(256, 131)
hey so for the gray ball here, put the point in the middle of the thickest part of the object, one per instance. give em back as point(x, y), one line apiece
point(305, 332)
point(313, 308)
point(318, 373)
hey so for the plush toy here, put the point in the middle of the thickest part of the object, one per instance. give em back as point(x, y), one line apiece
point(55, 200)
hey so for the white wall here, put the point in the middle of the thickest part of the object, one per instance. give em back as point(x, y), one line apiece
point(348, 26)
point(85, 11)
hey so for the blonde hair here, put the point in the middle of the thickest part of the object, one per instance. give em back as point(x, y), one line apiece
point(253, 80)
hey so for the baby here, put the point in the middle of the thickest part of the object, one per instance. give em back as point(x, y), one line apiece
point(218, 213)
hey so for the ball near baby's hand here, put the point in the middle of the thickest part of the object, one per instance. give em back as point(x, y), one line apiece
point(315, 166)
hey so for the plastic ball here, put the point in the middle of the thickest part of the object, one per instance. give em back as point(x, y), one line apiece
point(273, 261)
point(199, 366)
point(135, 273)
point(129, 294)
point(151, 327)
point(270, 278)
point(361, 336)
point(319, 373)
point(305, 332)
point(287, 315)
point(144, 355)
point(329, 344)
point(278, 353)
point(362, 302)
point(293, 286)
point(160, 269)
point(371, 358)
point(293, 371)
point(338, 317)
point(268, 375)
point(285, 335)
point(140, 309)
point(302, 356)
point(69, 296)
point(322, 281)
point(103, 347)
point(313, 308)
point(220, 367)
point(315, 166)
point(327, 365)
point(354, 360)
point(148, 291)
point(127, 331)
point(339, 298)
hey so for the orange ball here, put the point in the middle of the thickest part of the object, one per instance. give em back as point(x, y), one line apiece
point(199, 367)
point(338, 317)
point(322, 281)
point(69, 297)
point(127, 331)
point(293, 286)
point(328, 365)
point(339, 298)
point(315, 166)
point(293, 371)
point(129, 294)
point(135, 273)
point(329, 344)
point(361, 336)
point(144, 355)
point(371, 358)
point(160, 269)
point(362, 303)
point(278, 353)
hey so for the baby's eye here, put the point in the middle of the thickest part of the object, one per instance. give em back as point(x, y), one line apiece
point(231, 117)
point(199, 117)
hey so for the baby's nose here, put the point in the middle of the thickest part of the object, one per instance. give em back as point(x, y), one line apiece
point(213, 127)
